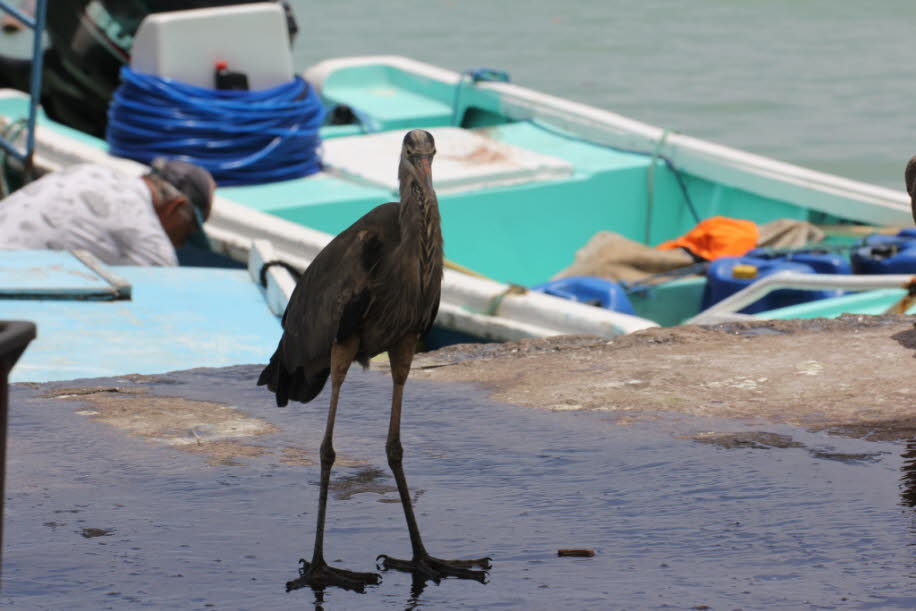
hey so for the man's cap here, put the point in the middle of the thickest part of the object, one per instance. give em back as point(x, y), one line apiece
point(195, 183)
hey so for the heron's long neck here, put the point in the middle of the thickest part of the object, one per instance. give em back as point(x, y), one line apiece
point(421, 233)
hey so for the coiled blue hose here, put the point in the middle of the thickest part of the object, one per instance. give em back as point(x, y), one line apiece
point(241, 137)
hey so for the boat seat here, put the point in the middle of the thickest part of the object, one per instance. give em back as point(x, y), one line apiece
point(387, 104)
point(465, 160)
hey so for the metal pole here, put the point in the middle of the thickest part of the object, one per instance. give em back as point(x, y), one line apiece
point(35, 84)
point(37, 26)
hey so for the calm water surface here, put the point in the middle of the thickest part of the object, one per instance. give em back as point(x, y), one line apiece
point(825, 84)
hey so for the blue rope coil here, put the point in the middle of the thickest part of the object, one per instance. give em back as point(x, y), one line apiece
point(240, 137)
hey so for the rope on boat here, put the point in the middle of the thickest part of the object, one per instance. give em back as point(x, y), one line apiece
point(292, 269)
point(241, 137)
point(650, 182)
point(494, 303)
point(656, 155)
point(490, 75)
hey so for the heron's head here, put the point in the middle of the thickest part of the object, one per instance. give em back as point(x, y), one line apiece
point(417, 155)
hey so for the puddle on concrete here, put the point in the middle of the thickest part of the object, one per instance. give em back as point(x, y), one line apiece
point(218, 431)
point(785, 518)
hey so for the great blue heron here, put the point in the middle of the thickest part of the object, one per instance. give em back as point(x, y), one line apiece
point(374, 288)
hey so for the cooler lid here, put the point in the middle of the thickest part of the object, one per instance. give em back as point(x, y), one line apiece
point(465, 160)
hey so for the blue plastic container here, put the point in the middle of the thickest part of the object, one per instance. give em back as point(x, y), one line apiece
point(883, 254)
point(821, 262)
point(722, 280)
point(590, 290)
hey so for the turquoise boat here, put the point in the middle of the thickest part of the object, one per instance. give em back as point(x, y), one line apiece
point(603, 172)
point(524, 181)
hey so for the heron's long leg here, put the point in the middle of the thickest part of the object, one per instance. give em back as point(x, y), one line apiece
point(400, 358)
point(341, 356)
point(318, 574)
point(422, 564)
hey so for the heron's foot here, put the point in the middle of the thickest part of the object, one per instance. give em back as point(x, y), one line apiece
point(435, 569)
point(320, 575)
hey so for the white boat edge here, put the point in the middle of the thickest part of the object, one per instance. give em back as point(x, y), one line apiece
point(767, 177)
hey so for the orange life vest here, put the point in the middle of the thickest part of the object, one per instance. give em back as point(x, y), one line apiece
point(716, 237)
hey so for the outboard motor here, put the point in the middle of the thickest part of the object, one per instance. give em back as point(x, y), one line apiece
point(89, 42)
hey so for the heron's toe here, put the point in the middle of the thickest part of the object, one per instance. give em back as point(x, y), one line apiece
point(320, 575)
point(435, 569)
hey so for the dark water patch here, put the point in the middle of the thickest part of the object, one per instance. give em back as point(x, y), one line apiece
point(898, 429)
point(370, 479)
point(761, 440)
point(91, 533)
point(848, 457)
point(673, 523)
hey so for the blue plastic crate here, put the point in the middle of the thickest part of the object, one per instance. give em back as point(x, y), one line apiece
point(591, 290)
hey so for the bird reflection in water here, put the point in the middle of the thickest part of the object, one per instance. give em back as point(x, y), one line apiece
point(374, 288)
point(414, 601)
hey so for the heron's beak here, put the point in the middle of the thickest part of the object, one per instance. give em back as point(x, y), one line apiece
point(423, 165)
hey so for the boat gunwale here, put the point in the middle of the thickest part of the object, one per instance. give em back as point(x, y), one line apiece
point(820, 191)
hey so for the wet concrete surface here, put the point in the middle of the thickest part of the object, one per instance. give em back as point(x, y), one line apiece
point(113, 501)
